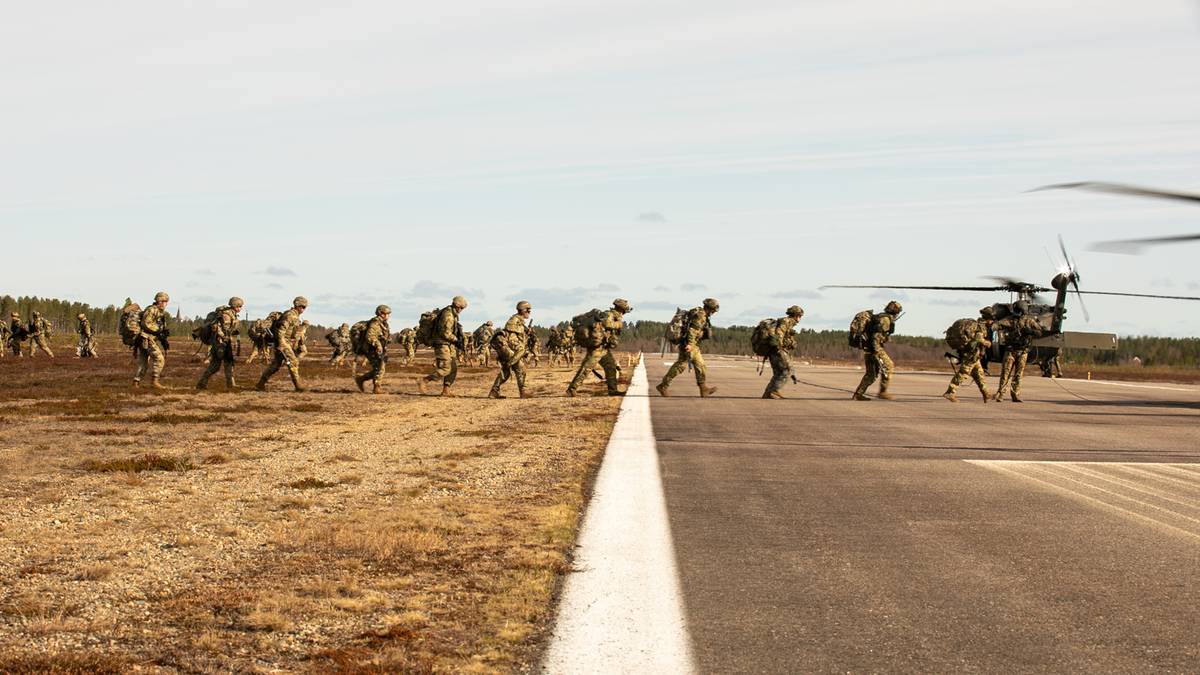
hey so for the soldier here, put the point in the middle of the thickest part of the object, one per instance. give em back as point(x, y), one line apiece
point(533, 350)
point(16, 335)
point(38, 333)
point(876, 361)
point(287, 335)
point(782, 341)
point(220, 349)
point(483, 338)
point(970, 355)
point(340, 341)
point(447, 340)
point(261, 340)
point(1019, 331)
point(466, 353)
point(407, 339)
point(151, 345)
point(375, 341)
point(86, 349)
point(697, 326)
point(607, 336)
point(4, 336)
point(510, 351)
point(301, 346)
point(568, 344)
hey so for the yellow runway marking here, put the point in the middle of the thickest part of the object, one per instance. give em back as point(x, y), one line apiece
point(1132, 489)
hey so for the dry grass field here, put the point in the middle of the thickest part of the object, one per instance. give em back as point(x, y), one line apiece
point(327, 531)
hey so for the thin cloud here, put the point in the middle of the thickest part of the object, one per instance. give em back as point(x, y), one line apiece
point(205, 272)
point(799, 293)
point(279, 271)
point(651, 217)
point(433, 289)
point(692, 287)
point(563, 297)
point(885, 294)
point(662, 289)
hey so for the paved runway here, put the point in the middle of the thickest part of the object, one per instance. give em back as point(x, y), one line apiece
point(820, 534)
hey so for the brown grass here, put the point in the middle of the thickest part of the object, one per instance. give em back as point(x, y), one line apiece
point(146, 462)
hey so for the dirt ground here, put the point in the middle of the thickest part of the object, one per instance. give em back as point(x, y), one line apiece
point(326, 531)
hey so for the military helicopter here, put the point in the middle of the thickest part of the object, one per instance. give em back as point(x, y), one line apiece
point(1131, 245)
point(1045, 350)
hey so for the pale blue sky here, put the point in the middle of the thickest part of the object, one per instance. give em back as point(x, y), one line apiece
point(575, 151)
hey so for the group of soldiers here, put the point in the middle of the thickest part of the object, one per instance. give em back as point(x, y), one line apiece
point(20, 338)
point(281, 340)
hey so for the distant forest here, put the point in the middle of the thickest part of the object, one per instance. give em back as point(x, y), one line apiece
point(647, 336)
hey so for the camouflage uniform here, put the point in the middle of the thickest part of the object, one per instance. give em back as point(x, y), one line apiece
point(38, 331)
point(969, 358)
point(4, 337)
point(340, 341)
point(86, 348)
point(696, 327)
point(261, 343)
point(376, 339)
point(1019, 331)
point(783, 341)
point(610, 325)
point(876, 362)
point(220, 350)
point(301, 346)
point(511, 352)
point(533, 350)
point(287, 335)
point(149, 346)
point(483, 340)
point(407, 339)
point(568, 344)
point(446, 340)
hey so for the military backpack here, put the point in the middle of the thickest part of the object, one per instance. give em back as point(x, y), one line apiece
point(677, 326)
point(589, 328)
point(129, 324)
point(425, 327)
point(358, 338)
point(858, 328)
point(762, 340)
point(962, 333)
point(205, 331)
point(262, 330)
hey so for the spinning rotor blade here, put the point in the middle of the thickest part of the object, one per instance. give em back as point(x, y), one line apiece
point(1073, 276)
point(1118, 188)
point(930, 288)
point(1135, 246)
point(1143, 295)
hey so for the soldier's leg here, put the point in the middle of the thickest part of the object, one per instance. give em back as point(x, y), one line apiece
point(781, 367)
point(80, 348)
point(885, 371)
point(519, 372)
point(961, 373)
point(680, 365)
point(870, 372)
point(585, 367)
point(214, 364)
point(1018, 371)
point(1005, 374)
point(441, 363)
point(270, 370)
point(501, 378)
point(698, 366)
point(143, 363)
point(609, 363)
point(980, 380)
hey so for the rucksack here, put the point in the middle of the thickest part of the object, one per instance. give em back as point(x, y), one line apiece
point(858, 328)
point(762, 340)
point(678, 324)
point(962, 333)
point(204, 332)
point(358, 338)
point(425, 327)
point(129, 325)
point(589, 331)
point(262, 330)
point(47, 329)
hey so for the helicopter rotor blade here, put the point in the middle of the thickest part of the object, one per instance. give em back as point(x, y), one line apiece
point(925, 288)
point(1119, 188)
point(1073, 276)
point(1142, 295)
point(1135, 246)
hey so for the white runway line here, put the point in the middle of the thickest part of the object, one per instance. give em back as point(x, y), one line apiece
point(622, 611)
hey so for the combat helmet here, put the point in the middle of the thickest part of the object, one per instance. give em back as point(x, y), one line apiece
point(987, 313)
point(459, 302)
point(622, 306)
point(711, 305)
point(81, 316)
point(1020, 307)
point(162, 296)
point(795, 310)
point(299, 301)
point(893, 308)
point(522, 306)
point(382, 309)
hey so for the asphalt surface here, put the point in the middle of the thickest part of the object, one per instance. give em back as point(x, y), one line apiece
point(820, 534)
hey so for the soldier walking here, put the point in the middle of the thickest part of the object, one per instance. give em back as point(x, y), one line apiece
point(287, 334)
point(510, 351)
point(39, 332)
point(340, 341)
point(375, 344)
point(152, 343)
point(876, 362)
point(86, 349)
point(697, 327)
point(221, 348)
point(447, 340)
point(605, 336)
point(975, 342)
point(533, 350)
point(781, 343)
point(1018, 332)
point(5, 334)
point(407, 339)
point(483, 337)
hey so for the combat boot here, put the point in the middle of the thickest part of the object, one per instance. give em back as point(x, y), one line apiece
point(1015, 398)
point(447, 393)
point(705, 392)
point(137, 384)
point(772, 394)
point(986, 398)
point(664, 390)
point(949, 396)
point(526, 394)
point(296, 382)
point(358, 382)
point(155, 384)
point(883, 394)
point(421, 385)
point(571, 393)
point(858, 396)
point(495, 393)
point(998, 397)
point(616, 392)
point(375, 388)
